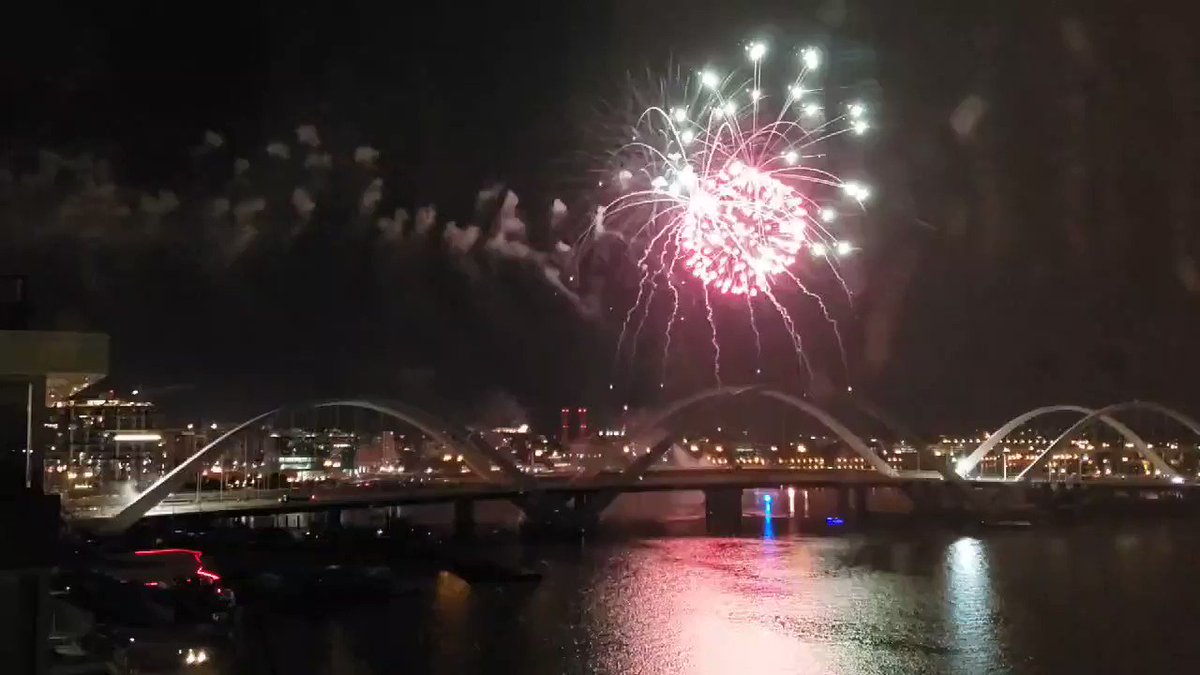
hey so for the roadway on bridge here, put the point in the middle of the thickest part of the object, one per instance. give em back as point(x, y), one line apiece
point(398, 492)
point(393, 492)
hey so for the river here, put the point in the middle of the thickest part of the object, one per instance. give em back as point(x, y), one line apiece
point(1087, 598)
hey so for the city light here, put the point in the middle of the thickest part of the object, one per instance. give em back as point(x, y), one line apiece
point(195, 555)
point(134, 437)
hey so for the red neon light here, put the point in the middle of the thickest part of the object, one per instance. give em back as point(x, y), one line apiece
point(171, 551)
point(200, 571)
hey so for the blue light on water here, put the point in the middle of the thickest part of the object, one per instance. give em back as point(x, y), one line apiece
point(834, 521)
point(768, 520)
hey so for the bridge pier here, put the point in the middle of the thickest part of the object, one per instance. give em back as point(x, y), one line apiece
point(938, 500)
point(852, 502)
point(859, 495)
point(559, 515)
point(333, 518)
point(723, 510)
point(843, 501)
point(924, 499)
point(464, 518)
point(588, 507)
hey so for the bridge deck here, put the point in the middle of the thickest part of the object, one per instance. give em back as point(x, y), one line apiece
point(382, 493)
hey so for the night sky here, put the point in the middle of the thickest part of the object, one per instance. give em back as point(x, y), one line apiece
point(1034, 239)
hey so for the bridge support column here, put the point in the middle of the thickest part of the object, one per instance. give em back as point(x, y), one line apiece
point(844, 505)
point(938, 500)
point(723, 510)
point(924, 501)
point(550, 515)
point(860, 494)
point(333, 518)
point(464, 518)
point(588, 506)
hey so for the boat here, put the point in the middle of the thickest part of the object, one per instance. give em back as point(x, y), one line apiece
point(147, 611)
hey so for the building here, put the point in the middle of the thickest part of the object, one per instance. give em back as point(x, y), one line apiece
point(99, 440)
point(379, 454)
point(36, 368)
point(574, 425)
point(314, 455)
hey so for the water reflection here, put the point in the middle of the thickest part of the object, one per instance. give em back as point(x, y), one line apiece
point(969, 605)
point(715, 606)
point(451, 613)
point(856, 603)
point(768, 517)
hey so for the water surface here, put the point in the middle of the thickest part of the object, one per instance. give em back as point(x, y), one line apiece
point(1082, 599)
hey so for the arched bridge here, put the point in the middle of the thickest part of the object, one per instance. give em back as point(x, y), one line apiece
point(653, 430)
point(477, 454)
point(1088, 416)
point(496, 475)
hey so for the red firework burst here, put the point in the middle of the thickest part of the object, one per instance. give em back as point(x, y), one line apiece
point(727, 184)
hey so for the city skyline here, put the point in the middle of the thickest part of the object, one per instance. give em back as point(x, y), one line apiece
point(107, 445)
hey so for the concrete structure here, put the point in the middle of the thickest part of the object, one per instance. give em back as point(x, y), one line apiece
point(42, 367)
point(559, 505)
point(36, 368)
point(575, 499)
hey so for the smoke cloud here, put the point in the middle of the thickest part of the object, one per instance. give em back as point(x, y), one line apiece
point(260, 240)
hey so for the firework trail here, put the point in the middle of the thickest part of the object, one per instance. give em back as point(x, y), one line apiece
point(757, 337)
point(716, 344)
point(724, 188)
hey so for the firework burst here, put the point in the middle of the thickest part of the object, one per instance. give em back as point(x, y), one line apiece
point(725, 188)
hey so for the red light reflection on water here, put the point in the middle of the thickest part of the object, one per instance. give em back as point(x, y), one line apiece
point(719, 607)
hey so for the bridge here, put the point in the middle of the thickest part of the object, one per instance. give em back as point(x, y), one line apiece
point(579, 494)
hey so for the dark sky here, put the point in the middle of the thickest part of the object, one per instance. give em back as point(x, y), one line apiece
point(1033, 241)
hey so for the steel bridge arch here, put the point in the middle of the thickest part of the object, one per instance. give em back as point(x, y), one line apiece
point(662, 440)
point(650, 428)
point(1141, 446)
point(477, 455)
point(969, 463)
